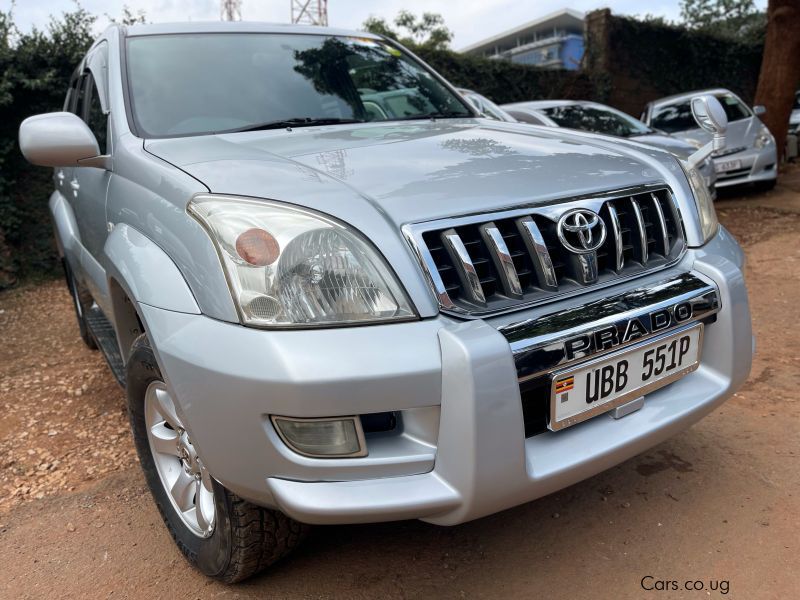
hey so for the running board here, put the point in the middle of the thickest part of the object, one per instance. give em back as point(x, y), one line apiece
point(103, 332)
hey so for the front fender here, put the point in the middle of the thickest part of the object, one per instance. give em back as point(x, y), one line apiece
point(140, 272)
point(145, 272)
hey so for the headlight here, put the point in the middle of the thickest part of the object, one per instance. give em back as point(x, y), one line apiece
point(764, 138)
point(288, 266)
point(704, 202)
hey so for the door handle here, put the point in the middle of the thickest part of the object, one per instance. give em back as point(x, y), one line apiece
point(60, 175)
point(75, 185)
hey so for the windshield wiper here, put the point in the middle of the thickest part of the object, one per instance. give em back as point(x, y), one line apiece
point(293, 122)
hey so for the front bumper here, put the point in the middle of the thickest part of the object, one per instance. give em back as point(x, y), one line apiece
point(756, 166)
point(462, 453)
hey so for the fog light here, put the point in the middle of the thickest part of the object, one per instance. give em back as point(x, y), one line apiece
point(329, 438)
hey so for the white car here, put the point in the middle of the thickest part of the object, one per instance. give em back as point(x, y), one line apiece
point(750, 155)
point(485, 106)
point(600, 118)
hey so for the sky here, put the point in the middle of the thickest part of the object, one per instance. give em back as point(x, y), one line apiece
point(469, 20)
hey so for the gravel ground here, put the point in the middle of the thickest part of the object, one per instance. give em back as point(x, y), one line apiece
point(717, 504)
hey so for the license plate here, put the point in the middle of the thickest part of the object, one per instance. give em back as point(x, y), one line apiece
point(727, 165)
point(593, 388)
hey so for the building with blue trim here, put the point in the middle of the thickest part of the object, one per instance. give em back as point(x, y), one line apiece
point(554, 41)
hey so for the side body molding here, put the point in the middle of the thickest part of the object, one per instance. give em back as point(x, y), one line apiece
point(146, 272)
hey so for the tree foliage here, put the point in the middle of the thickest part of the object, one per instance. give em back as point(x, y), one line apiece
point(35, 68)
point(732, 19)
point(426, 31)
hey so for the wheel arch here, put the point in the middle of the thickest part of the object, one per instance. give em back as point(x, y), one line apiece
point(139, 271)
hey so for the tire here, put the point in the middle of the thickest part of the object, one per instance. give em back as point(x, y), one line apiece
point(81, 301)
point(245, 538)
point(765, 186)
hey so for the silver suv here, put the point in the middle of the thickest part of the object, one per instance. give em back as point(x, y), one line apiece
point(334, 293)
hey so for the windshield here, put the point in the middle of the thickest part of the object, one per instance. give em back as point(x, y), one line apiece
point(192, 84)
point(598, 119)
point(678, 117)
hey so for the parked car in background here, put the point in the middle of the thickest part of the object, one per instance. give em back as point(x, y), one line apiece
point(335, 293)
point(794, 118)
point(485, 106)
point(599, 118)
point(750, 155)
point(793, 135)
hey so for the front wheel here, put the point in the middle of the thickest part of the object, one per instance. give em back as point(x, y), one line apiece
point(222, 535)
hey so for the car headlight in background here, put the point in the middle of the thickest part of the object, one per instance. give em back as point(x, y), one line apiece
point(705, 204)
point(288, 266)
point(763, 138)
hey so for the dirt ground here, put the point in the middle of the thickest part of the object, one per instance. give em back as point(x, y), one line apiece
point(718, 505)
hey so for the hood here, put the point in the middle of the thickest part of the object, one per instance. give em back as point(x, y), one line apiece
point(412, 171)
point(740, 134)
point(676, 146)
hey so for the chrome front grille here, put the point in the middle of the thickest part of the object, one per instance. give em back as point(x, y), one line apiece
point(491, 263)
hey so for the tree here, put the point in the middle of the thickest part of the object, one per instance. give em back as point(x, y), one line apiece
point(128, 17)
point(426, 31)
point(780, 67)
point(733, 19)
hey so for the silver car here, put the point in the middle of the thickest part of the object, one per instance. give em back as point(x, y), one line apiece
point(334, 293)
point(485, 106)
point(600, 118)
point(750, 155)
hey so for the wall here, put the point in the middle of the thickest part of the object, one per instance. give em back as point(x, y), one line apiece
point(643, 61)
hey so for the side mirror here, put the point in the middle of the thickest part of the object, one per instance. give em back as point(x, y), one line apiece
point(759, 109)
point(59, 139)
point(711, 117)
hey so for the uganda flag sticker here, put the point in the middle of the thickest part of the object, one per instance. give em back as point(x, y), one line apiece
point(564, 385)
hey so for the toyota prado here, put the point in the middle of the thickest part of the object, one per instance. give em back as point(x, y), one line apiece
point(334, 293)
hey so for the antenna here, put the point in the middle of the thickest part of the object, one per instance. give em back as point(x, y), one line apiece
point(230, 10)
point(310, 12)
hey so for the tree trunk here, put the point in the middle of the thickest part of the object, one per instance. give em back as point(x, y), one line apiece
point(780, 67)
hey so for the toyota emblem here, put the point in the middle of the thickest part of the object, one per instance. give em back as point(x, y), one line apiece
point(581, 231)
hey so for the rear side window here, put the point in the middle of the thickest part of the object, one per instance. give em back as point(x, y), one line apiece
point(69, 101)
point(91, 111)
point(97, 121)
point(77, 96)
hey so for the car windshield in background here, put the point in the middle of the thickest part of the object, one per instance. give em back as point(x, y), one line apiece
point(194, 84)
point(678, 117)
point(596, 119)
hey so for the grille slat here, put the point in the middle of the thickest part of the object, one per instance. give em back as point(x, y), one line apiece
point(481, 265)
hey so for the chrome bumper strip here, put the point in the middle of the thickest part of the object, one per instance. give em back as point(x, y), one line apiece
point(561, 338)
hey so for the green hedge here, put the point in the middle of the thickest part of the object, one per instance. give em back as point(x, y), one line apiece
point(34, 74)
point(649, 60)
point(503, 81)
